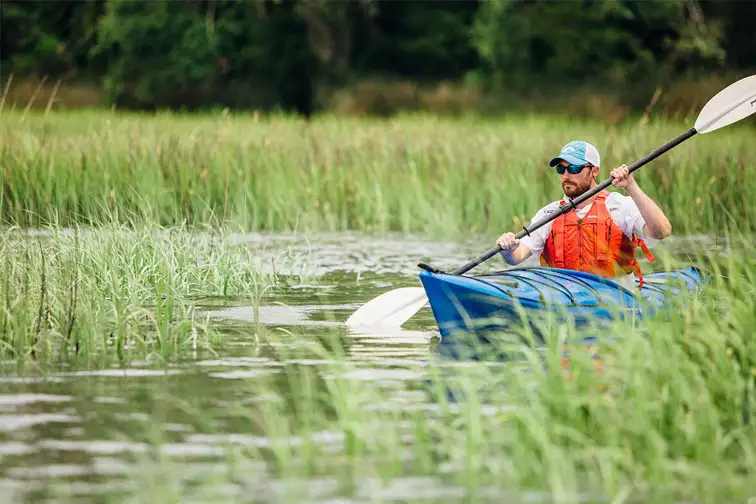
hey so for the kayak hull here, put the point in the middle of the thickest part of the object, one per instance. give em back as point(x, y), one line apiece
point(497, 301)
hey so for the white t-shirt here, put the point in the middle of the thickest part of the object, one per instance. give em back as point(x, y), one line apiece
point(622, 210)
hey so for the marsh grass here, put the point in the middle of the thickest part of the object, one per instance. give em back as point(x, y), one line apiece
point(411, 173)
point(669, 416)
point(113, 293)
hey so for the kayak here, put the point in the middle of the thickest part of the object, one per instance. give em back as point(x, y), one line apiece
point(496, 301)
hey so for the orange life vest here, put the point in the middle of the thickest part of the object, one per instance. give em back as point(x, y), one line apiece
point(594, 244)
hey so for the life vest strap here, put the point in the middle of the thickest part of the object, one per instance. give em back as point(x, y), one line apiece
point(557, 229)
point(642, 244)
point(603, 228)
point(637, 242)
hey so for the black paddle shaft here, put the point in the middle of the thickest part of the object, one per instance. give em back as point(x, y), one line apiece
point(571, 204)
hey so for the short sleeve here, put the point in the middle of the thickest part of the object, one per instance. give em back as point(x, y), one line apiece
point(537, 239)
point(625, 213)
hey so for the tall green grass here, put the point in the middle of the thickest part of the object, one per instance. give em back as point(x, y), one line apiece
point(669, 418)
point(440, 176)
point(110, 293)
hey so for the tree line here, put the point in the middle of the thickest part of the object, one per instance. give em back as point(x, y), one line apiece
point(290, 54)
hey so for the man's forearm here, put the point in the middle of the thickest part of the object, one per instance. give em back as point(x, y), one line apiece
point(507, 256)
point(517, 255)
point(657, 223)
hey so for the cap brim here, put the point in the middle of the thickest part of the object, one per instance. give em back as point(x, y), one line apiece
point(570, 159)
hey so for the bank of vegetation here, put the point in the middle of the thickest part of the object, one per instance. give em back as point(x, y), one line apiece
point(414, 173)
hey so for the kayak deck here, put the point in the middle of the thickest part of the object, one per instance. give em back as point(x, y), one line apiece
point(493, 301)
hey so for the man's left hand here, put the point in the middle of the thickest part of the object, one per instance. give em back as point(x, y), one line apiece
point(622, 178)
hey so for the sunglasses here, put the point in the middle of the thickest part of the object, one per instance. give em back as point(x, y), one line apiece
point(572, 168)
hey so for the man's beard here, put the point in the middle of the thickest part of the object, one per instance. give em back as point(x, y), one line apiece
point(574, 189)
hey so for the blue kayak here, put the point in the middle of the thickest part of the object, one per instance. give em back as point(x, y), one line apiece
point(495, 301)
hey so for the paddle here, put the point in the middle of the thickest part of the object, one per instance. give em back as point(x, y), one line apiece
point(737, 101)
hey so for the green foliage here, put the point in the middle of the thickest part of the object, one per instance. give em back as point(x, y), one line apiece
point(170, 39)
point(422, 40)
point(265, 54)
point(41, 37)
point(108, 294)
point(408, 174)
point(658, 410)
point(205, 53)
point(609, 42)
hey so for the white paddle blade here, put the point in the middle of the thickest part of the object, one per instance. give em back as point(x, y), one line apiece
point(735, 102)
point(392, 308)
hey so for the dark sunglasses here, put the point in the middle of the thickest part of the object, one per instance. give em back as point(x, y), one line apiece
point(572, 168)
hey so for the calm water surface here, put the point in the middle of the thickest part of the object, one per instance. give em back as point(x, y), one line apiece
point(88, 435)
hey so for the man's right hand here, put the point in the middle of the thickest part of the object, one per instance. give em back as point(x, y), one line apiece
point(508, 242)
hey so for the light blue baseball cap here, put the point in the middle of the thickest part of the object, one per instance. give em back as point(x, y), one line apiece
point(578, 152)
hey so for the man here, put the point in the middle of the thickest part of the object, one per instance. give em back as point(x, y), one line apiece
point(601, 234)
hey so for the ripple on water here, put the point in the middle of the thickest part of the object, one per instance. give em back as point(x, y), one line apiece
point(279, 315)
point(20, 422)
point(242, 375)
point(24, 399)
point(108, 447)
point(323, 437)
point(120, 373)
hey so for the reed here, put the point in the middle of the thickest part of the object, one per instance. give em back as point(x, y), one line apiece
point(113, 293)
point(412, 173)
point(668, 417)
point(114, 271)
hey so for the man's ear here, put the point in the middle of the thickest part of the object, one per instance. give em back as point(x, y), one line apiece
point(595, 170)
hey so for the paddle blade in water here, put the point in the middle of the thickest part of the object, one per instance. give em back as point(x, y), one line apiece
point(735, 102)
point(392, 308)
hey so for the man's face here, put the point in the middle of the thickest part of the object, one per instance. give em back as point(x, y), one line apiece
point(575, 185)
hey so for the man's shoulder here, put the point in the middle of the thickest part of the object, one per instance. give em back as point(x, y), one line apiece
point(549, 209)
point(616, 202)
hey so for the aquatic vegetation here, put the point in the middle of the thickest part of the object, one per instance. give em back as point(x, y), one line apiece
point(130, 252)
point(414, 173)
point(669, 417)
point(113, 293)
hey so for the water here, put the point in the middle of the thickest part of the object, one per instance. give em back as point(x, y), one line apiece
point(157, 432)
